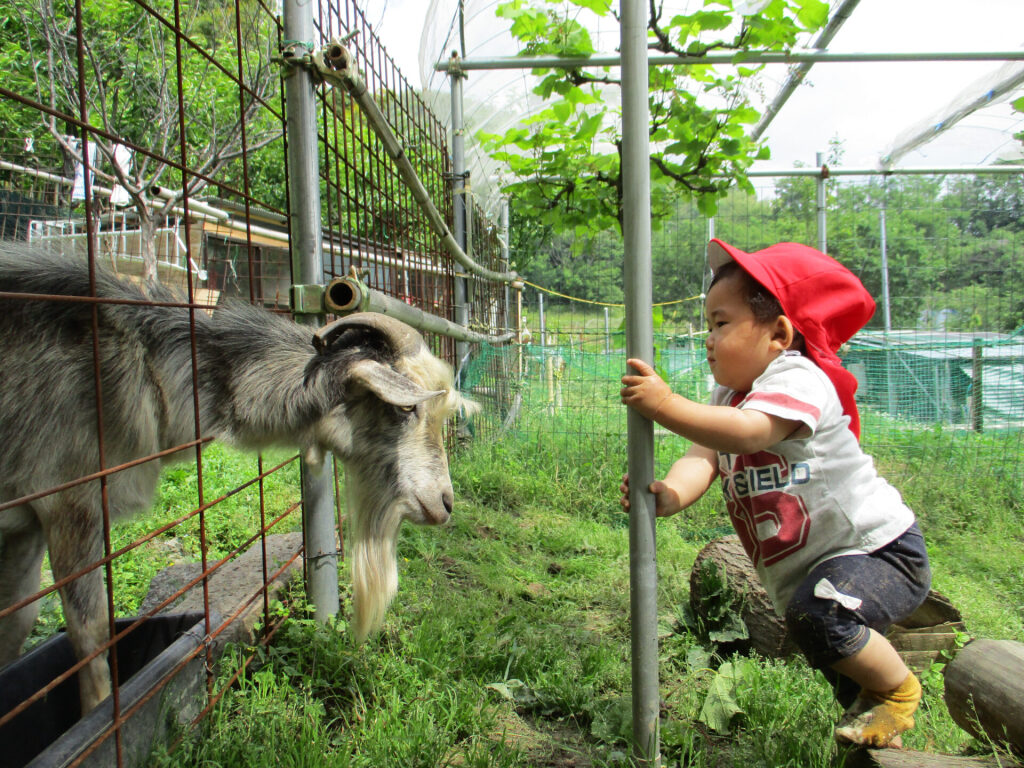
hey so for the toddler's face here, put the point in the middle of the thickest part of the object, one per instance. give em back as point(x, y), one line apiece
point(739, 347)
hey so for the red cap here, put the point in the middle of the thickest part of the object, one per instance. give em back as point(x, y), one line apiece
point(824, 300)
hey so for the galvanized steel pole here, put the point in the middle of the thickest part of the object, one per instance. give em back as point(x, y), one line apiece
point(461, 214)
point(307, 268)
point(636, 230)
point(819, 160)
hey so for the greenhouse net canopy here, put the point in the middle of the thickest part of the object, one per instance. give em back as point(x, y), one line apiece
point(872, 115)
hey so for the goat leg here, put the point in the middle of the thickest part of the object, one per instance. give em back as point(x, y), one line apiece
point(74, 542)
point(21, 557)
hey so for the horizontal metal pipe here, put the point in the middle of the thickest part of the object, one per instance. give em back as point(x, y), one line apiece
point(7, 166)
point(829, 171)
point(736, 57)
point(345, 295)
point(414, 263)
point(193, 205)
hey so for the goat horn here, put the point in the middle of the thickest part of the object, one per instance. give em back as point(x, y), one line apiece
point(403, 338)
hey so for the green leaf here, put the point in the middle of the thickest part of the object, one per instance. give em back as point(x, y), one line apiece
point(720, 705)
point(562, 110)
point(698, 658)
point(513, 690)
point(600, 7)
point(707, 205)
point(813, 14)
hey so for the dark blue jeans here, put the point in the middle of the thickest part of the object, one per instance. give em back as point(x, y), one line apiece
point(890, 582)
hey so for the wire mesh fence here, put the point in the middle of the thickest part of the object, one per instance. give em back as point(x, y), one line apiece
point(148, 141)
point(151, 143)
point(940, 366)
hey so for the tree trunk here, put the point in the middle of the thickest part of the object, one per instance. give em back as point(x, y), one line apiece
point(147, 246)
point(985, 691)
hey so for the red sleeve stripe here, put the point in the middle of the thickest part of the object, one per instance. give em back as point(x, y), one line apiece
point(785, 401)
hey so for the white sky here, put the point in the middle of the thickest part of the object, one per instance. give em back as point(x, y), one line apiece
point(865, 105)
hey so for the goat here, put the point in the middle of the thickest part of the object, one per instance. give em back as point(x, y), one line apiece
point(366, 389)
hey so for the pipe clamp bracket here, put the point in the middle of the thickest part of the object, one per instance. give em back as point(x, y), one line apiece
point(307, 299)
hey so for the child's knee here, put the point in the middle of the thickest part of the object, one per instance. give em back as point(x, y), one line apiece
point(822, 632)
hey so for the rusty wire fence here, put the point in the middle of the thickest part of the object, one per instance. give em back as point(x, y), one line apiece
point(149, 140)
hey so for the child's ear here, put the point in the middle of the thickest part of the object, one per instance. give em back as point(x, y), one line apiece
point(783, 333)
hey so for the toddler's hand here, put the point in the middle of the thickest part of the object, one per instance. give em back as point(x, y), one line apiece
point(666, 500)
point(646, 391)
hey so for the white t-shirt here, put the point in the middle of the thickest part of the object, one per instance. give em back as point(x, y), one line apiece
point(813, 496)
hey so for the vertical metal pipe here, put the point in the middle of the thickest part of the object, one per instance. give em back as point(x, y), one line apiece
point(977, 407)
point(886, 313)
point(543, 328)
point(307, 268)
point(607, 333)
point(636, 231)
point(886, 309)
point(819, 160)
point(519, 332)
point(503, 239)
point(461, 218)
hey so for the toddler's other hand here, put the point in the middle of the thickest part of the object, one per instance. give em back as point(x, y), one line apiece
point(666, 500)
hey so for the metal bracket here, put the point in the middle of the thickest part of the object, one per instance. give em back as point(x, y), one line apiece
point(307, 299)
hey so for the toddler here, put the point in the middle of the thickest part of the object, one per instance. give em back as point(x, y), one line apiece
point(838, 551)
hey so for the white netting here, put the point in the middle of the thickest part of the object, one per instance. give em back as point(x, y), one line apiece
point(863, 106)
point(496, 100)
point(982, 113)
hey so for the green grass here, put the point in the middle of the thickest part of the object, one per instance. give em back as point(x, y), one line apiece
point(508, 642)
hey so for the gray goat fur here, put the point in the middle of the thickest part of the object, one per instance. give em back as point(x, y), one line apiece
point(372, 394)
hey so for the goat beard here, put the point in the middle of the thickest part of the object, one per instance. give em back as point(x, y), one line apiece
point(374, 533)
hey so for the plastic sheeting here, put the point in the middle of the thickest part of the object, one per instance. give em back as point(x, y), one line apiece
point(872, 109)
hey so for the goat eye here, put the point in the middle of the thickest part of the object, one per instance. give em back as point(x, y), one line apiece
point(407, 408)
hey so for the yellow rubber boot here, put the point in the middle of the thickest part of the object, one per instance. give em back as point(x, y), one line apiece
point(876, 719)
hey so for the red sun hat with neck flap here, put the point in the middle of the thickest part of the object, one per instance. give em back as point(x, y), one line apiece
point(824, 300)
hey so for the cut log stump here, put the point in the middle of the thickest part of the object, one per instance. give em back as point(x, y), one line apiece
point(929, 634)
point(768, 635)
point(985, 691)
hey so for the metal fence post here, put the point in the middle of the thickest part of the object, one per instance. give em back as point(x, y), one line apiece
point(887, 311)
point(461, 213)
point(307, 268)
point(977, 408)
point(636, 230)
point(819, 159)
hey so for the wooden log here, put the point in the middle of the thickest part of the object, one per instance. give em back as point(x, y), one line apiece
point(768, 635)
point(922, 638)
point(985, 691)
point(909, 758)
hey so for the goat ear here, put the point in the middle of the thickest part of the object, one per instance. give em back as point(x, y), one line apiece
point(389, 385)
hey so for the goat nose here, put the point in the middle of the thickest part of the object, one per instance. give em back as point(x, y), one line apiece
point(448, 499)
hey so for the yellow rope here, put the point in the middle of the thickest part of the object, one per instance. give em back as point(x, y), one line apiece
point(604, 303)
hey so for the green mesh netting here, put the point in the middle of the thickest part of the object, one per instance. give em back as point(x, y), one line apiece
point(929, 402)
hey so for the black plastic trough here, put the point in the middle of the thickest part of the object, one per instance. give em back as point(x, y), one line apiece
point(49, 734)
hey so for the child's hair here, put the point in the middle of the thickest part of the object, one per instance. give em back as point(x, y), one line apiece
point(761, 301)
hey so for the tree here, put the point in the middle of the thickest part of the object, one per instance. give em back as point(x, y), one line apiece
point(133, 96)
point(567, 157)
